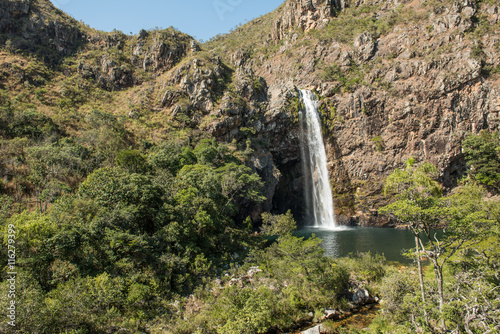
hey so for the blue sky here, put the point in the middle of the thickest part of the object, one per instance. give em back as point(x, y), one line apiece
point(202, 19)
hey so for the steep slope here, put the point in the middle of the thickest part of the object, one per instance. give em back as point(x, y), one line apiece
point(397, 80)
point(128, 167)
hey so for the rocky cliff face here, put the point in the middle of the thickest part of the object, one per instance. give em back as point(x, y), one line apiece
point(395, 79)
point(113, 60)
point(409, 79)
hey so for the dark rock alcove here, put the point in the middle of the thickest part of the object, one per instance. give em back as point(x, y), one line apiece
point(289, 194)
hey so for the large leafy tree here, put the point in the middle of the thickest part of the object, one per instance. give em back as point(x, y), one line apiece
point(464, 215)
point(416, 194)
point(472, 220)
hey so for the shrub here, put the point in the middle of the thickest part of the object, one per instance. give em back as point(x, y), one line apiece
point(483, 160)
point(278, 224)
point(171, 157)
point(31, 124)
point(131, 160)
point(84, 304)
point(379, 145)
point(367, 267)
point(395, 287)
point(244, 311)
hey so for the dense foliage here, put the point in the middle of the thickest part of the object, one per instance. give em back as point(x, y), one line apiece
point(135, 233)
point(457, 295)
point(278, 288)
point(116, 233)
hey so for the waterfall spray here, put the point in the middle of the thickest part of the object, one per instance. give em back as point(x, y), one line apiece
point(317, 190)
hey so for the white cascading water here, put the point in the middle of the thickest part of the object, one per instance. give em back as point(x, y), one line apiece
point(317, 190)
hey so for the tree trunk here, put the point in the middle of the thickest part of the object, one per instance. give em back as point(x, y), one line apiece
point(419, 264)
point(438, 270)
point(420, 275)
point(441, 297)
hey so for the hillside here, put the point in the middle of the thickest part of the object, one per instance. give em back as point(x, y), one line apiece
point(395, 81)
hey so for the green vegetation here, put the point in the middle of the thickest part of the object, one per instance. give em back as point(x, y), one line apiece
point(379, 143)
point(330, 117)
point(348, 79)
point(468, 219)
point(130, 236)
point(294, 106)
point(153, 243)
point(352, 22)
point(277, 289)
point(491, 70)
point(253, 33)
point(278, 225)
point(482, 153)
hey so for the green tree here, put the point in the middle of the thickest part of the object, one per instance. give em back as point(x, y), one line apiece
point(52, 166)
point(309, 279)
point(278, 224)
point(13, 158)
point(244, 311)
point(105, 137)
point(30, 305)
point(33, 230)
point(472, 229)
point(482, 153)
point(239, 183)
point(105, 186)
point(131, 160)
point(207, 152)
point(32, 125)
point(171, 156)
point(416, 193)
point(464, 215)
point(85, 304)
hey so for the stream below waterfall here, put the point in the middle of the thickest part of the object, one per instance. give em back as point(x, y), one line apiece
point(319, 209)
point(342, 241)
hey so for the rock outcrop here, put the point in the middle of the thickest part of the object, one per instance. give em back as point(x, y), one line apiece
point(36, 27)
point(410, 84)
point(119, 61)
point(305, 15)
point(155, 52)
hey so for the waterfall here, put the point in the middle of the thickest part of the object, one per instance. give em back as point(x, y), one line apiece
point(317, 190)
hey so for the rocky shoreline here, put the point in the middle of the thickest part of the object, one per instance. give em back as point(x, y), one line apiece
point(361, 303)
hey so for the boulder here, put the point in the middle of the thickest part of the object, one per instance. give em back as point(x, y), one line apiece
point(362, 297)
point(365, 46)
point(313, 330)
point(331, 314)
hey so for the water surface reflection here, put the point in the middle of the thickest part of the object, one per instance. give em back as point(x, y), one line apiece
point(340, 242)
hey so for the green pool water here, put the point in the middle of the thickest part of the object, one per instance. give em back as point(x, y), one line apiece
point(387, 241)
